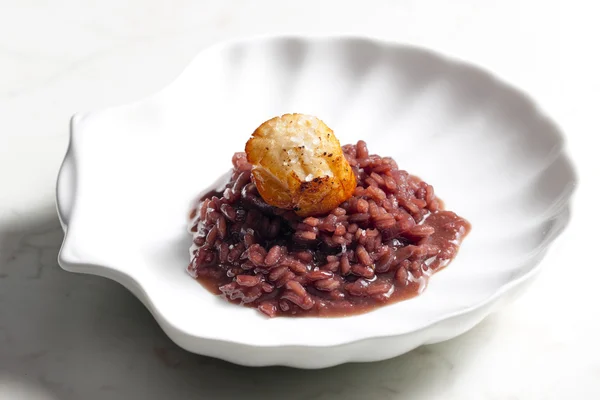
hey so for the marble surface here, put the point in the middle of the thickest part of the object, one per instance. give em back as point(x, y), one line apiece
point(67, 336)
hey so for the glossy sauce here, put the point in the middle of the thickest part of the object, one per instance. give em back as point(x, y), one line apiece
point(450, 230)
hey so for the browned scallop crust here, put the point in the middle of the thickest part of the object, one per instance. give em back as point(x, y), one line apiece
point(298, 164)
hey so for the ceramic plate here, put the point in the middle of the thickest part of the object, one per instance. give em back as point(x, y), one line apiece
point(131, 173)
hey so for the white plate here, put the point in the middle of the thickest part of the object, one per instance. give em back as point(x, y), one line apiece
point(131, 172)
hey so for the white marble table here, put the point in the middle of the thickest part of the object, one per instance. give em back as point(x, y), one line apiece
point(65, 336)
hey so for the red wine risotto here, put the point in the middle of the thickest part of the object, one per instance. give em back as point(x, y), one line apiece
point(379, 246)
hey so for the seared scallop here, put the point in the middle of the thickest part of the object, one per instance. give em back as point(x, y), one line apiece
point(298, 164)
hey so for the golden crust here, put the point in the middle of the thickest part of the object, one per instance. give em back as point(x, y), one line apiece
point(298, 164)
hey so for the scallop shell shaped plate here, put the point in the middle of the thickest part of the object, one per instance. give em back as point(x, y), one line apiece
point(131, 173)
